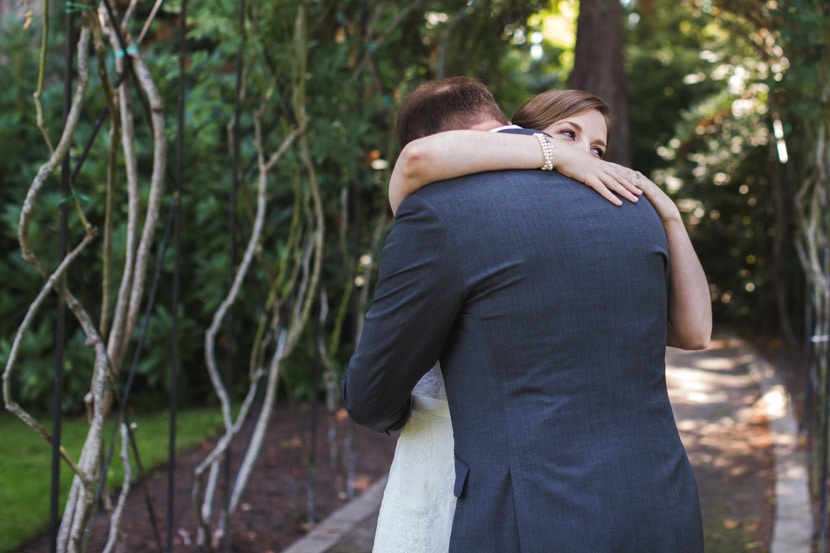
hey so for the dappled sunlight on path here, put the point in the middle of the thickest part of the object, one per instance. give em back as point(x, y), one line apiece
point(724, 421)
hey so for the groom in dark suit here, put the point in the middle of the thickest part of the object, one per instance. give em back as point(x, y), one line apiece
point(547, 308)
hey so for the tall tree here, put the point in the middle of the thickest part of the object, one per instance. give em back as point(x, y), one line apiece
point(599, 67)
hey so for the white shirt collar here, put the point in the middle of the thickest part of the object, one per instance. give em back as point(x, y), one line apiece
point(505, 127)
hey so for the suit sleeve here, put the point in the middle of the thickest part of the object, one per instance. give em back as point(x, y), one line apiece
point(417, 298)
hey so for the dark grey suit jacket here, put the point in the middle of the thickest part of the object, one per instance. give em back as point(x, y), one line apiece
point(546, 306)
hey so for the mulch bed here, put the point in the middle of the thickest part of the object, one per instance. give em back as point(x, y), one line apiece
point(274, 510)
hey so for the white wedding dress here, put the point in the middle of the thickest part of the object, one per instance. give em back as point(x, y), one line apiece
point(418, 502)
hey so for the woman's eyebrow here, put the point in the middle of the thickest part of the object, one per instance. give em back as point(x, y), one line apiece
point(573, 124)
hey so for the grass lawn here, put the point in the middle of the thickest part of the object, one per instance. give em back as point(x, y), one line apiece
point(25, 464)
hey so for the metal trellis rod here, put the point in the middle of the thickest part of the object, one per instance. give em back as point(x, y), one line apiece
point(175, 361)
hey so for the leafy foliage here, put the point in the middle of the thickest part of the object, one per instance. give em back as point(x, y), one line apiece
point(362, 60)
point(703, 130)
point(707, 80)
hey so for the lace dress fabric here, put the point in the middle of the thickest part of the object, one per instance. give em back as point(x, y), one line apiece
point(418, 504)
point(432, 384)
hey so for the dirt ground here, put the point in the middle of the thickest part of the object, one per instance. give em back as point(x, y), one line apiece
point(274, 510)
point(274, 507)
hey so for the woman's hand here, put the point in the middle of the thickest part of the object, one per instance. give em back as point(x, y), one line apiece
point(606, 178)
point(663, 204)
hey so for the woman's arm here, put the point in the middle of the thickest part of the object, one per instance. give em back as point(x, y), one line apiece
point(690, 307)
point(463, 152)
point(456, 153)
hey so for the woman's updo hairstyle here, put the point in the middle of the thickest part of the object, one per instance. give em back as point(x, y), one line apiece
point(551, 106)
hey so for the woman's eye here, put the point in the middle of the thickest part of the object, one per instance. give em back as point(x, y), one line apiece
point(598, 152)
point(569, 133)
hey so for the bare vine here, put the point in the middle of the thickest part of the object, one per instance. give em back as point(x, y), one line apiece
point(299, 272)
point(80, 503)
point(205, 500)
point(813, 247)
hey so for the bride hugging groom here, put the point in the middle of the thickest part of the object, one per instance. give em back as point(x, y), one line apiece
point(517, 336)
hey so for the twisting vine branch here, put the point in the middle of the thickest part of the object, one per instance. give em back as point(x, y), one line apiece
point(88, 467)
point(232, 427)
point(12, 406)
point(296, 284)
point(44, 42)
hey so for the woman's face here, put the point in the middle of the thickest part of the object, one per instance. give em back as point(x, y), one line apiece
point(587, 130)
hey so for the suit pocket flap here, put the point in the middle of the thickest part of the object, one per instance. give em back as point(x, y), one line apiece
point(461, 471)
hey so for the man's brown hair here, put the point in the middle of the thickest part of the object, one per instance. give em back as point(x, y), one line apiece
point(447, 104)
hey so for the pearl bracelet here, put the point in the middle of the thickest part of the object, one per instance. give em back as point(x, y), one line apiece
point(547, 151)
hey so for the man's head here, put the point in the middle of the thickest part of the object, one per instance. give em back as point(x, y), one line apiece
point(447, 104)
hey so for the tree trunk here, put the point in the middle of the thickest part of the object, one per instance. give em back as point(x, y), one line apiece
point(599, 67)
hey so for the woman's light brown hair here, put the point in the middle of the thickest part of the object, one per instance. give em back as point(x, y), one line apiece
point(551, 106)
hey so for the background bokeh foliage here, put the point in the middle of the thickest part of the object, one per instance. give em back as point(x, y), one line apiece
point(705, 79)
